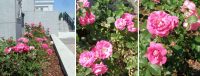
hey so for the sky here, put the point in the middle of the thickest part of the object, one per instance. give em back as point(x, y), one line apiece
point(65, 6)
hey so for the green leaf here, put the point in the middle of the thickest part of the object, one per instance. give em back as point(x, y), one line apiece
point(192, 19)
point(88, 71)
point(129, 45)
point(143, 62)
point(177, 47)
point(110, 19)
point(197, 39)
point(119, 13)
point(154, 69)
point(147, 73)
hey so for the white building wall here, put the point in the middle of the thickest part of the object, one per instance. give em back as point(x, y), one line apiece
point(27, 5)
point(8, 19)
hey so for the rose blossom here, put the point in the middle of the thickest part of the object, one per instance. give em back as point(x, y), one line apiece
point(157, 1)
point(188, 5)
point(90, 18)
point(82, 21)
point(21, 47)
point(120, 24)
point(160, 23)
point(98, 69)
point(127, 16)
point(7, 50)
point(87, 58)
point(189, 9)
point(194, 26)
point(45, 46)
point(103, 49)
point(39, 40)
point(85, 3)
point(131, 27)
point(49, 51)
point(156, 53)
point(23, 39)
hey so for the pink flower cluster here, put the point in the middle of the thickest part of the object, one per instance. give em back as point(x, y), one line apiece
point(23, 40)
point(189, 9)
point(44, 45)
point(88, 19)
point(21, 46)
point(85, 3)
point(156, 53)
point(40, 40)
point(160, 23)
point(126, 20)
point(102, 50)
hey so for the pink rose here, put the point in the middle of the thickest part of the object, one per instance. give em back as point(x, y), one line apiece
point(103, 49)
point(39, 40)
point(189, 8)
point(23, 39)
point(49, 51)
point(85, 3)
point(45, 39)
point(156, 53)
point(160, 23)
point(120, 24)
point(45, 46)
point(98, 69)
point(82, 21)
point(127, 16)
point(87, 58)
point(7, 50)
point(157, 1)
point(90, 18)
point(188, 5)
point(21, 47)
point(131, 27)
point(194, 26)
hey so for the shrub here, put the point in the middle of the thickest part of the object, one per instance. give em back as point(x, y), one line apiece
point(97, 23)
point(24, 56)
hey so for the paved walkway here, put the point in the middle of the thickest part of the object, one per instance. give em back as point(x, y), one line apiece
point(70, 43)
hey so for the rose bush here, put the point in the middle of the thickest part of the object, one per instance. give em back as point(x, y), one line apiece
point(26, 55)
point(106, 38)
point(169, 37)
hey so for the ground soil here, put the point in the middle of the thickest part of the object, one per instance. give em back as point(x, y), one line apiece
point(52, 66)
